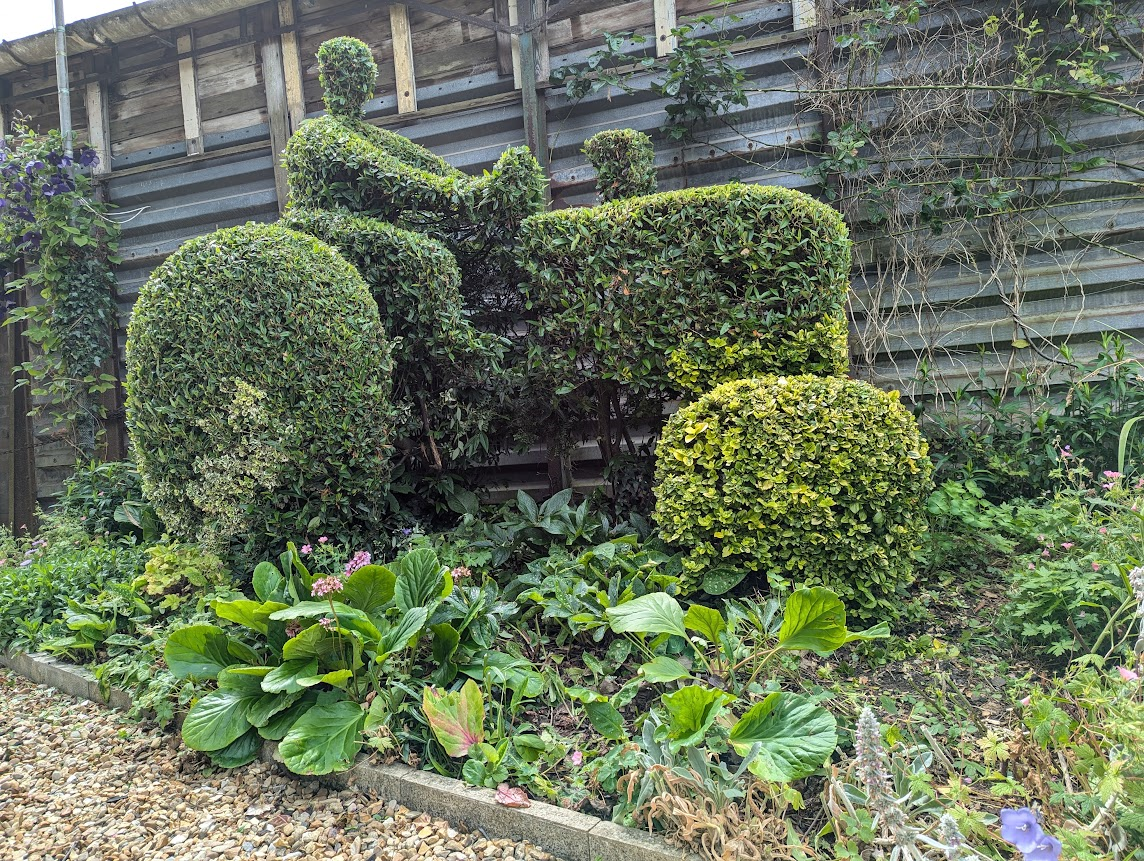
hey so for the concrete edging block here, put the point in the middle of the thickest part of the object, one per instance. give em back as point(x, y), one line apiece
point(570, 835)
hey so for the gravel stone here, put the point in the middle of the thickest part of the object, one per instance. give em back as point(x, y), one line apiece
point(82, 783)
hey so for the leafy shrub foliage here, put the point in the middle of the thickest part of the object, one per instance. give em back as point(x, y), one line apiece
point(446, 373)
point(806, 480)
point(624, 160)
point(738, 280)
point(258, 383)
point(108, 498)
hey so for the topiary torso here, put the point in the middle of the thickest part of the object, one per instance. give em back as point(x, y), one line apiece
point(802, 480)
point(258, 389)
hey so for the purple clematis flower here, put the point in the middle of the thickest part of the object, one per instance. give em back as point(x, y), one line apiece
point(1020, 827)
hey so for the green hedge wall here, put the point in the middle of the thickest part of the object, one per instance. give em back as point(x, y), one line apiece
point(797, 480)
point(675, 292)
point(258, 390)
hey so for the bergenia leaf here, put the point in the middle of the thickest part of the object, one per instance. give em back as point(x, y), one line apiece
point(457, 718)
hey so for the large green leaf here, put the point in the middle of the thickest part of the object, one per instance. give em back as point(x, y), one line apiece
point(276, 728)
point(262, 711)
point(268, 582)
point(316, 610)
point(795, 736)
point(691, 711)
point(421, 579)
point(813, 619)
point(250, 614)
point(326, 738)
point(370, 589)
point(313, 642)
point(606, 720)
point(241, 751)
point(284, 677)
point(457, 718)
point(403, 630)
point(337, 678)
point(218, 718)
point(708, 623)
point(662, 669)
point(198, 651)
point(654, 613)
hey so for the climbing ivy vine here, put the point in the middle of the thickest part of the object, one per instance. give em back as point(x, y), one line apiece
point(51, 222)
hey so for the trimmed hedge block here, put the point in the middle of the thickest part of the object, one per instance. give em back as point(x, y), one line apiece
point(675, 292)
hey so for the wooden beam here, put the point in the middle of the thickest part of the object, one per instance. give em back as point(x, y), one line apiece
point(538, 37)
point(502, 15)
point(5, 109)
point(535, 110)
point(189, 91)
point(277, 111)
point(665, 42)
point(98, 125)
point(804, 14)
point(404, 77)
point(292, 65)
point(514, 20)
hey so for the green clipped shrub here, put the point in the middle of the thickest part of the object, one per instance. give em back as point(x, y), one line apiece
point(340, 161)
point(447, 379)
point(335, 162)
point(624, 160)
point(800, 480)
point(347, 72)
point(258, 390)
point(673, 292)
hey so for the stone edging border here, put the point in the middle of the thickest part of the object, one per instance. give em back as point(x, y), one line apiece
point(570, 835)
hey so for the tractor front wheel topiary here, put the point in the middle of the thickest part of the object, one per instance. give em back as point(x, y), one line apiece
point(798, 480)
point(258, 386)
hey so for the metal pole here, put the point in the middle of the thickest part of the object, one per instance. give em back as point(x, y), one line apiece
point(62, 78)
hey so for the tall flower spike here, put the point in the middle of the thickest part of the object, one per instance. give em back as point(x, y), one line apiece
point(950, 835)
point(875, 776)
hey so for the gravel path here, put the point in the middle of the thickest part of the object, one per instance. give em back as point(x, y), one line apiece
point(80, 782)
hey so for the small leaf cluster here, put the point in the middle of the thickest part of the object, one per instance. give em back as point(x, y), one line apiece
point(624, 160)
point(258, 390)
point(797, 480)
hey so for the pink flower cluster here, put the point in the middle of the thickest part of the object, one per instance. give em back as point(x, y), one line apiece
point(361, 559)
point(1112, 476)
point(326, 586)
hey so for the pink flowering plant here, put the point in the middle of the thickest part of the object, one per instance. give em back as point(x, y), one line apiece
point(301, 663)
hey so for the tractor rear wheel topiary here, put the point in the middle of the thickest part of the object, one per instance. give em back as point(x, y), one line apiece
point(799, 480)
point(258, 384)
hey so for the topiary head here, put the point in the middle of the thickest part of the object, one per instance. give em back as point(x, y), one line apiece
point(347, 71)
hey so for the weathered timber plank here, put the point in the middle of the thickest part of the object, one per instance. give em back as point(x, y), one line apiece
point(188, 90)
point(404, 76)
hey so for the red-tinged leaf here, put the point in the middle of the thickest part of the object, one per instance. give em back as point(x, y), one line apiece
point(457, 718)
point(512, 796)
